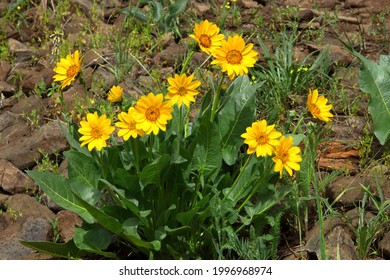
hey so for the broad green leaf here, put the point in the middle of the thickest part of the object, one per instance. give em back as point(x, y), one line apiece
point(83, 176)
point(375, 80)
point(175, 10)
point(62, 250)
point(130, 232)
point(102, 218)
point(93, 240)
point(154, 172)
point(59, 190)
point(207, 157)
point(237, 113)
point(243, 184)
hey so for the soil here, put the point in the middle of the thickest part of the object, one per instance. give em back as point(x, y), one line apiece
point(27, 60)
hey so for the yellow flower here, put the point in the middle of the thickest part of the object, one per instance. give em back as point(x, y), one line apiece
point(152, 114)
point(207, 35)
point(67, 69)
point(286, 156)
point(235, 57)
point(96, 130)
point(317, 106)
point(261, 138)
point(127, 125)
point(182, 89)
point(115, 94)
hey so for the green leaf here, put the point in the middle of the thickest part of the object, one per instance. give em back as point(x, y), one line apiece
point(84, 176)
point(59, 190)
point(375, 80)
point(73, 142)
point(93, 240)
point(130, 227)
point(62, 250)
point(207, 157)
point(237, 113)
point(102, 218)
point(175, 10)
point(154, 172)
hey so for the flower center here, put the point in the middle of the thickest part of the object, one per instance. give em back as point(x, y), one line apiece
point(205, 40)
point(283, 157)
point(72, 71)
point(132, 125)
point(182, 91)
point(234, 57)
point(314, 109)
point(96, 133)
point(152, 113)
point(262, 139)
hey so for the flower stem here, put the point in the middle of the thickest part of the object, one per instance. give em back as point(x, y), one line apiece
point(187, 123)
point(185, 64)
point(238, 178)
point(216, 98)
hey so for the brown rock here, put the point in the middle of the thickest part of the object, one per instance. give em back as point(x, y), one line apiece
point(330, 4)
point(29, 206)
point(339, 56)
point(36, 76)
point(353, 216)
point(12, 180)
point(346, 190)
point(338, 240)
point(5, 68)
point(350, 4)
point(21, 52)
point(250, 4)
point(384, 245)
point(201, 8)
point(23, 152)
point(306, 15)
point(7, 89)
point(8, 119)
point(67, 221)
point(28, 104)
point(169, 56)
point(350, 165)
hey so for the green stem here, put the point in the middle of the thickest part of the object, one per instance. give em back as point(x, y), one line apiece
point(238, 178)
point(134, 147)
point(186, 62)
point(298, 124)
point(187, 123)
point(216, 98)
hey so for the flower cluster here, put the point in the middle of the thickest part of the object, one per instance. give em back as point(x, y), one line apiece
point(264, 140)
point(231, 54)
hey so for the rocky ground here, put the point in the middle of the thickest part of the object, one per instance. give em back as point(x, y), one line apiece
point(30, 134)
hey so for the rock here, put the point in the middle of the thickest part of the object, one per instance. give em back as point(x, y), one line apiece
point(338, 240)
point(3, 199)
point(94, 57)
point(330, 4)
point(250, 4)
point(5, 68)
point(28, 206)
point(334, 155)
point(67, 221)
point(201, 8)
point(8, 119)
point(26, 228)
point(86, 6)
point(339, 56)
point(350, 4)
point(384, 245)
point(7, 89)
point(20, 51)
point(353, 216)
point(12, 180)
point(305, 15)
point(24, 219)
point(36, 76)
point(27, 105)
point(104, 79)
point(346, 190)
point(24, 151)
point(169, 56)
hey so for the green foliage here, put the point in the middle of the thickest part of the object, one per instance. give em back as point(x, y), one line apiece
point(164, 13)
point(375, 80)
